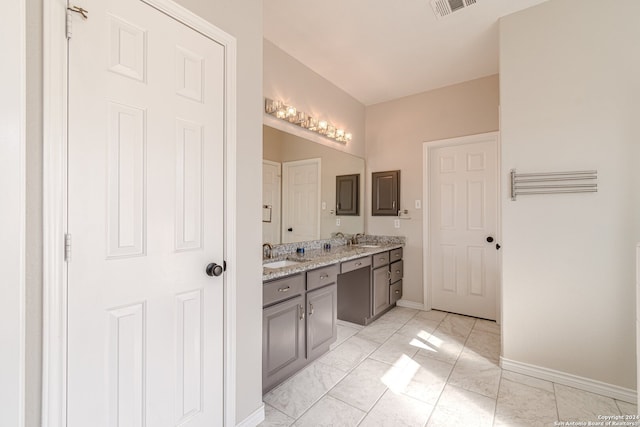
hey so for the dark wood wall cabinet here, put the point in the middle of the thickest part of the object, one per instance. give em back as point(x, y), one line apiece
point(385, 193)
point(347, 194)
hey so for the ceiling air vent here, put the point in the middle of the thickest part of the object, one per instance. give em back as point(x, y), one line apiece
point(444, 8)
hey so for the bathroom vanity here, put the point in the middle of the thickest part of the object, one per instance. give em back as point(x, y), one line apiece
point(305, 295)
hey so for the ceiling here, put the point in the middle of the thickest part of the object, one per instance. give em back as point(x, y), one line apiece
point(378, 50)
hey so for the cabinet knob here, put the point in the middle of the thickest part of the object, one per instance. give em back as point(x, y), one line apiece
point(397, 291)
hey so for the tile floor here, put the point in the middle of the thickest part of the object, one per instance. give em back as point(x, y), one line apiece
point(416, 368)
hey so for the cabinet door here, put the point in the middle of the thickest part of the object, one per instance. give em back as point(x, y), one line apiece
point(282, 341)
point(380, 290)
point(322, 313)
point(385, 197)
point(347, 194)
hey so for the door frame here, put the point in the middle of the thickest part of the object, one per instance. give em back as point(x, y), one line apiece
point(427, 146)
point(55, 101)
point(13, 215)
point(285, 192)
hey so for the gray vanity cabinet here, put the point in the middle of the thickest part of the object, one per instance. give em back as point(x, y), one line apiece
point(322, 310)
point(298, 322)
point(322, 328)
point(283, 341)
point(380, 279)
point(387, 279)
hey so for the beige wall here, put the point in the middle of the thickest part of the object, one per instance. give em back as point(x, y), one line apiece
point(570, 101)
point(396, 131)
point(290, 81)
point(243, 20)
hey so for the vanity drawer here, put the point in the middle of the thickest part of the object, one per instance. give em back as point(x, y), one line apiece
point(282, 289)
point(322, 277)
point(380, 259)
point(395, 292)
point(396, 254)
point(355, 264)
point(397, 271)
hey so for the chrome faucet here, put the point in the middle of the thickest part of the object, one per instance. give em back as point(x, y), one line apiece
point(339, 234)
point(268, 252)
point(356, 237)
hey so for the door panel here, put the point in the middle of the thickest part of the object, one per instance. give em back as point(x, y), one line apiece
point(322, 305)
point(301, 200)
point(463, 213)
point(146, 136)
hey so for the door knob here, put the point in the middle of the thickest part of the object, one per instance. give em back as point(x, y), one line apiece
point(489, 239)
point(214, 269)
point(289, 229)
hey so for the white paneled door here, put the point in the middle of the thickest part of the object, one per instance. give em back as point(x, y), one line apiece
point(463, 217)
point(145, 215)
point(301, 200)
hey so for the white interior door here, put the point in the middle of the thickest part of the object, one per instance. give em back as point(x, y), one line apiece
point(145, 212)
point(271, 189)
point(301, 200)
point(463, 212)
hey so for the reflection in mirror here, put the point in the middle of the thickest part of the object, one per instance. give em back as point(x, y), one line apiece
point(299, 189)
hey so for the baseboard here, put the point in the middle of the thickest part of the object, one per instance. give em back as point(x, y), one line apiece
point(254, 419)
point(581, 383)
point(410, 304)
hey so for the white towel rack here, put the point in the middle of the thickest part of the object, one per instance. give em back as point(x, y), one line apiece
point(553, 183)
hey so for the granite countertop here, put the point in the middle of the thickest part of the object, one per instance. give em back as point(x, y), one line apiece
point(316, 258)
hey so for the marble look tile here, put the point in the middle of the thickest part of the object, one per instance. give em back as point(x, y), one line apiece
point(432, 315)
point(363, 386)
point(527, 380)
point(476, 374)
point(398, 410)
point(456, 325)
point(442, 346)
point(399, 314)
point(627, 408)
point(426, 378)
point(300, 392)
point(347, 355)
point(397, 346)
point(522, 405)
point(458, 407)
point(419, 328)
point(483, 344)
point(379, 331)
point(330, 412)
point(487, 326)
point(344, 333)
point(275, 418)
point(579, 405)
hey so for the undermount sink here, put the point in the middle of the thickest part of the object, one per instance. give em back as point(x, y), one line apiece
point(368, 246)
point(280, 264)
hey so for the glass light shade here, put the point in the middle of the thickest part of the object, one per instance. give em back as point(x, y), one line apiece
point(281, 113)
point(292, 114)
point(312, 123)
point(331, 131)
point(322, 126)
point(348, 137)
point(340, 134)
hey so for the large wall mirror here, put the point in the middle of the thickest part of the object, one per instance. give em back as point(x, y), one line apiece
point(299, 182)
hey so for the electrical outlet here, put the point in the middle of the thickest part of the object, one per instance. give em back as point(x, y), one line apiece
point(396, 223)
point(338, 222)
point(418, 204)
point(324, 206)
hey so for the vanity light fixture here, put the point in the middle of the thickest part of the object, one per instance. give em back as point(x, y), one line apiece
point(292, 115)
